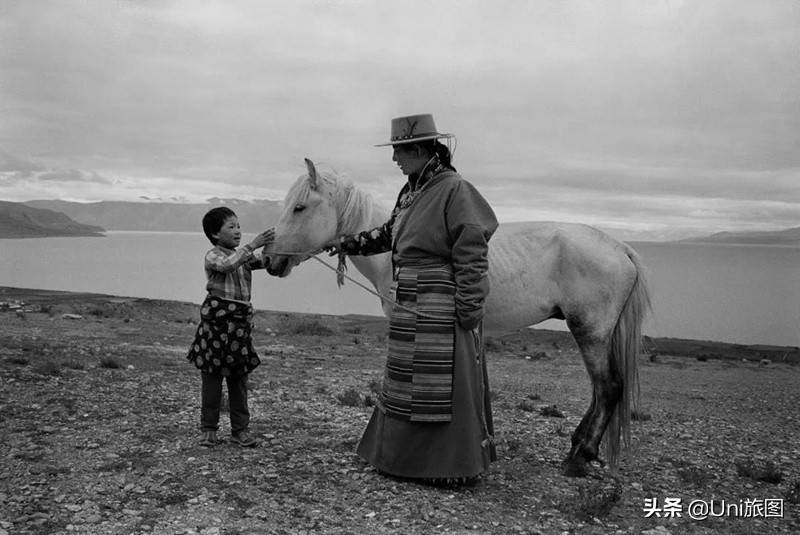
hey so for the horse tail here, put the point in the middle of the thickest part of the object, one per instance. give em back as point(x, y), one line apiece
point(624, 349)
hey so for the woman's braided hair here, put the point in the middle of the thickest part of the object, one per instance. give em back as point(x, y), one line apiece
point(441, 150)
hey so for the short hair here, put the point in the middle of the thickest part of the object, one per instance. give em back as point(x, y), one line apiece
point(214, 219)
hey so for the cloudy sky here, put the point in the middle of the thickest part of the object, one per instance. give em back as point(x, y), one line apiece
point(651, 118)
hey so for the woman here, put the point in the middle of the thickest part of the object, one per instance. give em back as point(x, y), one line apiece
point(434, 417)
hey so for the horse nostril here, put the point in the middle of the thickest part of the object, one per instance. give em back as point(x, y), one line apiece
point(277, 267)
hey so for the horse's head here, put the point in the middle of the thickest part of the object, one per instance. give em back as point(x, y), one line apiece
point(309, 222)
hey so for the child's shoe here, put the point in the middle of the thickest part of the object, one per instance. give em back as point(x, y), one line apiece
point(208, 439)
point(244, 439)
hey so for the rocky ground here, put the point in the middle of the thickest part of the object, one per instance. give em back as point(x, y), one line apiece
point(99, 414)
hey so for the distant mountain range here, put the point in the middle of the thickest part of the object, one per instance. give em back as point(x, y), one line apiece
point(789, 236)
point(91, 218)
point(254, 216)
point(21, 221)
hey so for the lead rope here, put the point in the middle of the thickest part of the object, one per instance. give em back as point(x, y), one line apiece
point(341, 276)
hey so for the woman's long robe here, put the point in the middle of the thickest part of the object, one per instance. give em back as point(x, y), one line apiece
point(434, 416)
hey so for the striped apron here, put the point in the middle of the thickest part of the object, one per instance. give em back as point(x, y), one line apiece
point(418, 382)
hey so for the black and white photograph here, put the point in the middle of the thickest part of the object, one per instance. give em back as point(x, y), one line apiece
point(422, 267)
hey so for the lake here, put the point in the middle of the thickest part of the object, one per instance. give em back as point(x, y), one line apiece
point(728, 293)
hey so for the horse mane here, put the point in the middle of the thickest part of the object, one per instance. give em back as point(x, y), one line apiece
point(354, 205)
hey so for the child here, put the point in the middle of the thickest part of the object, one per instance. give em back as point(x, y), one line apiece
point(222, 347)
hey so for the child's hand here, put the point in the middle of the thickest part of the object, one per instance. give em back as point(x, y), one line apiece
point(265, 238)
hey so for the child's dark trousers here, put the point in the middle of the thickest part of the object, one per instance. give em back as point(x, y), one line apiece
point(212, 398)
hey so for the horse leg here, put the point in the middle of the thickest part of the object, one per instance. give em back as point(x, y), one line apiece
point(610, 353)
point(606, 392)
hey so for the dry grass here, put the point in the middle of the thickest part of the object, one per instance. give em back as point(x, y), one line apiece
point(350, 398)
point(766, 471)
point(307, 327)
point(110, 363)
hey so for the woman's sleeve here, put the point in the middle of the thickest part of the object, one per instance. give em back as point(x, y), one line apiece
point(369, 242)
point(470, 223)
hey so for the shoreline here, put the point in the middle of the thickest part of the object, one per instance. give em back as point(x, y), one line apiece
point(14, 299)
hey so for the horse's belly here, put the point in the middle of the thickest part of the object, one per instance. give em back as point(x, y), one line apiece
point(521, 289)
point(540, 271)
point(510, 307)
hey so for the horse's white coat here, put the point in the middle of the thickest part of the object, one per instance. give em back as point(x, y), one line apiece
point(318, 210)
point(537, 270)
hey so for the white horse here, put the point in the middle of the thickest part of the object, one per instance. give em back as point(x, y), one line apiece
point(537, 271)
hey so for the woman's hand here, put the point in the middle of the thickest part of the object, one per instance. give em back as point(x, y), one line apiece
point(332, 248)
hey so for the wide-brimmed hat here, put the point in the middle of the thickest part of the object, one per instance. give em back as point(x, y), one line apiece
point(413, 128)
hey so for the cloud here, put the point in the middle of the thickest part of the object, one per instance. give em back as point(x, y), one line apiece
point(654, 216)
point(704, 183)
point(83, 186)
point(14, 164)
point(73, 175)
point(616, 105)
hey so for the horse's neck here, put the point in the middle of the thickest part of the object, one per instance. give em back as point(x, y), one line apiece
point(363, 213)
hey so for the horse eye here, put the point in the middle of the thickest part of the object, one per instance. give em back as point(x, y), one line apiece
point(299, 208)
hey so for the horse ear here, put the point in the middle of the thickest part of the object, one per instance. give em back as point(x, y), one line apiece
point(312, 173)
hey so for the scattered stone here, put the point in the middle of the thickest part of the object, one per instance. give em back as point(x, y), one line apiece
point(660, 530)
point(551, 411)
point(257, 512)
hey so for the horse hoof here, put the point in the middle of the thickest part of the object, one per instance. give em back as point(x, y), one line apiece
point(575, 468)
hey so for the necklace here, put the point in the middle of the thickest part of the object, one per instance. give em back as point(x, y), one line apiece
point(410, 196)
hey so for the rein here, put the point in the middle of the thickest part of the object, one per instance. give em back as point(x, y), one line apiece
point(341, 275)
